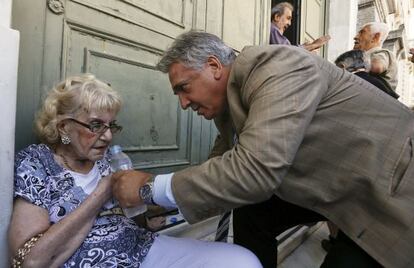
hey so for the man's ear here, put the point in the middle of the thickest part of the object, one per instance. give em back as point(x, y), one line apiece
point(215, 66)
point(376, 38)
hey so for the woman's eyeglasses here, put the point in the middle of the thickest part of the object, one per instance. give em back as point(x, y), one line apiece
point(99, 127)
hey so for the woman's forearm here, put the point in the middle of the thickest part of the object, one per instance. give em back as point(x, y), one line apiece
point(62, 239)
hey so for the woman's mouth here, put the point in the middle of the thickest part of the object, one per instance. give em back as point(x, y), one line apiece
point(103, 147)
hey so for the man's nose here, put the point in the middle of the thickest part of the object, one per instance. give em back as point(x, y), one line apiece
point(185, 103)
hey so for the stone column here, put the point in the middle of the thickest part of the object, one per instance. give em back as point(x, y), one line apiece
point(8, 85)
point(341, 26)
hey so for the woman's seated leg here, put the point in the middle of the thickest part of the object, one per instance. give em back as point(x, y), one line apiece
point(174, 252)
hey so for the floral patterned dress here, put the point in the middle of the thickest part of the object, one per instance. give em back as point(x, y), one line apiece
point(113, 241)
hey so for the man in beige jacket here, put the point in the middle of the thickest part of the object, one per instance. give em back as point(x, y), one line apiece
point(305, 130)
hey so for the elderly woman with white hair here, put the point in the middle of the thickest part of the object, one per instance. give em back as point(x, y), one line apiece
point(64, 214)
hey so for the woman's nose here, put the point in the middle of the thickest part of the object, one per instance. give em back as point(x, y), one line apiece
point(107, 135)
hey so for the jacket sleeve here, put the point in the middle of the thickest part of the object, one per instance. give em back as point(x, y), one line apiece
point(280, 90)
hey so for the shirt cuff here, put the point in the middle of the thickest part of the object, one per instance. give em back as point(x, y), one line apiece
point(162, 193)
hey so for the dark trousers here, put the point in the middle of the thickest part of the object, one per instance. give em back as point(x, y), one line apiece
point(346, 253)
point(256, 226)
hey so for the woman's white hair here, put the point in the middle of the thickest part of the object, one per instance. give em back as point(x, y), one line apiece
point(71, 97)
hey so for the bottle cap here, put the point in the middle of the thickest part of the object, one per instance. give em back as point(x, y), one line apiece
point(115, 149)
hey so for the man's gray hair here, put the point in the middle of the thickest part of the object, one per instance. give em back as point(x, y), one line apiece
point(279, 9)
point(379, 27)
point(193, 50)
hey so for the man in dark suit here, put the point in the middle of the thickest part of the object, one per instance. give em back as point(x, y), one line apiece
point(307, 131)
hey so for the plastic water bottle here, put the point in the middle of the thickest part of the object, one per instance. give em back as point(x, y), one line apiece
point(121, 161)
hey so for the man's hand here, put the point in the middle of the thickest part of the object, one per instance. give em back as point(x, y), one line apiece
point(311, 46)
point(377, 66)
point(126, 184)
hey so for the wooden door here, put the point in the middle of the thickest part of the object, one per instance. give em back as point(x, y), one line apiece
point(120, 41)
point(313, 18)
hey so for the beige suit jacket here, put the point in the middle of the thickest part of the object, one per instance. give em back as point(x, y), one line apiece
point(316, 136)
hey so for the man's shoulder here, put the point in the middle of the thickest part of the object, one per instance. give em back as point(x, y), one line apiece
point(276, 38)
point(280, 56)
point(380, 51)
point(254, 51)
point(256, 64)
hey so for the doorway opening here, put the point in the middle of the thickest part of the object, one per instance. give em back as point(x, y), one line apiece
point(293, 32)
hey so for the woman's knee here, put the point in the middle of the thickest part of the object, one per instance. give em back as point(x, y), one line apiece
point(183, 252)
point(237, 256)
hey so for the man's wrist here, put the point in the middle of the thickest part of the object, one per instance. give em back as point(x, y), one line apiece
point(146, 191)
point(163, 195)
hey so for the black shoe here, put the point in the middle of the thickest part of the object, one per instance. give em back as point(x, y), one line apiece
point(327, 243)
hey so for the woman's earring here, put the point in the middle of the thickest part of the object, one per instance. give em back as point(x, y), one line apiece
point(65, 139)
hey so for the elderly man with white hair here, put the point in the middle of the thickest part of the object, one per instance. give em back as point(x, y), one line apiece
point(370, 39)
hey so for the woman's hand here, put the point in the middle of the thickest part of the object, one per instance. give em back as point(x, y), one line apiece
point(104, 188)
point(59, 240)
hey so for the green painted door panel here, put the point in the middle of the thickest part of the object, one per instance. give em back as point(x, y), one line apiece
point(313, 21)
point(120, 41)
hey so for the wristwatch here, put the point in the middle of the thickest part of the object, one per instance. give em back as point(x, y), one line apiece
point(145, 193)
